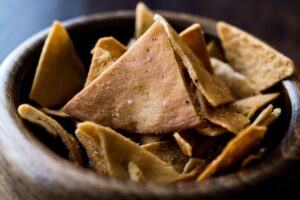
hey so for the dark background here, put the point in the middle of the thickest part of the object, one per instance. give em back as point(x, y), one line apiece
point(275, 21)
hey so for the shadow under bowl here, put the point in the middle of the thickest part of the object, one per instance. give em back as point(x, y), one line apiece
point(30, 170)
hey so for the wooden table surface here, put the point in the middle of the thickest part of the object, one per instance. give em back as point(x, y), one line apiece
point(275, 21)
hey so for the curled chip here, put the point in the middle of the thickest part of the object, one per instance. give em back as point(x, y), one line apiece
point(54, 128)
point(214, 89)
point(239, 85)
point(60, 73)
point(169, 152)
point(119, 151)
point(106, 51)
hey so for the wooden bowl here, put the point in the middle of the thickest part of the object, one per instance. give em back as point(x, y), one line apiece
point(30, 170)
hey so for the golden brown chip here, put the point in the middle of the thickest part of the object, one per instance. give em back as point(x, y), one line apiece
point(131, 94)
point(193, 36)
point(190, 176)
point(209, 129)
point(214, 89)
point(143, 19)
point(267, 116)
point(185, 141)
point(60, 73)
point(169, 152)
point(235, 151)
point(224, 116)
point(253, 158)
point(260, 63)
point(248, 106)
point(135, 173)
point(90, 140)
point(106, 52)
point(239, 85)
point(214, 51)
point(119, 151)
point(54, 128)
point(192, 164)
point(56, 113)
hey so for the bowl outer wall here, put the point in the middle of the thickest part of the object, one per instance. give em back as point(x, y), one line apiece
point(30, 170)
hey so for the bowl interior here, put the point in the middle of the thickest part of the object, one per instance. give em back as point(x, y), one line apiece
point(87, 30)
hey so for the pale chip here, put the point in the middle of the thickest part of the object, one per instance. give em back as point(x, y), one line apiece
point(143, 19)
point(267, 116)
point(192, 164)
point(135, 173)
point(54, 128)
point(185, 141)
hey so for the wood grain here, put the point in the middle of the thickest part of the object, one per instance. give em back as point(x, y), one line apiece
point(30, 170)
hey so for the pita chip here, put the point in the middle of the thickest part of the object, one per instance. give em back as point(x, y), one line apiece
point(224, 116)
point(214, 89)
point(260, 63)
point(119, 151)
point(90, 140)
point(135, 173)
point(131, 94)
point(143, 19)
point(149, 138)
point(60, 73)
point(193, 36)
point(248, 106)
point(267, 116)
point(214, 50)
point(185, 141)
point(106, 52)
point(192, 164)
point(55, 113)
point(190, 176)
point(169, 152)
point(235, 151)
point(239, 85)
point(35, 116)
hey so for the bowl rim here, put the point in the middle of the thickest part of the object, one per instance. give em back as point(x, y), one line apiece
point(48, 163)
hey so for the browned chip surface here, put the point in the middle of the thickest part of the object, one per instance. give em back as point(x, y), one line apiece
point(215, 90)
point(106, 51)
point(60, 73)
point(54, 128)
point(193, 36)
point(169, 152)
point(90, 140)
point(248, 106)
point(224, 116)
point(235, 151)
point(143, 19)
point(143, 91)
point(260, 63)
point(119, 151)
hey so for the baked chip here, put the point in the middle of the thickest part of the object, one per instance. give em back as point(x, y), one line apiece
point(106, 52)
point(235, 151)
point(260, 63)
point(90, 140)
point(190, 176)
point(193, 36)
point(56, 113)
point(35, 116)
point(135, 173)
point(143, 19)
point(119, 151)
point(267, 116)
point(149, 138)
point(60, 73)
point(140, 92)
point(214, 89)
point(248, 106)
point(192, 164)
point(224, 116)
point(169, 152)
point(185, 141)
point(239, 85)
point(214, 51)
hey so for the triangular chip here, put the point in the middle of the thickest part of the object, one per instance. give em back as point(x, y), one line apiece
point(90, 140)
point(193, 36)
point(60, 73)
point(260, 63)
point(140, 92)
point(106, 52)
point(239, 85)
point(214, 50)
point(143, 19)
point(215, 90)
point(169, 152)
point(224, 116)
point(119, 151)
point(185, 141)
point(35, 116)
point(235, 151)
point(248, 106)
